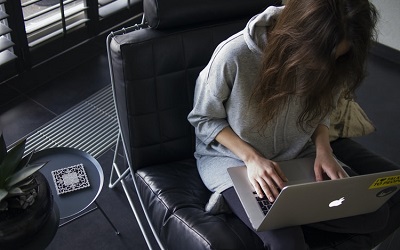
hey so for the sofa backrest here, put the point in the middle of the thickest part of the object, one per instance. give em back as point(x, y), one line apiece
point(154, 74)
point(164, 14)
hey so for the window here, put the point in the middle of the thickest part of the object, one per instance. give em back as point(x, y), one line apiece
point(6, 45)
point(46, 19)
point(34, 32)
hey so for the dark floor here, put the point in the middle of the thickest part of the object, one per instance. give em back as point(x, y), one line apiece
point(20, 114)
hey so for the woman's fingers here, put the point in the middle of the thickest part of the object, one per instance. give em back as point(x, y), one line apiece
point(263, 189)
point(271, 189)
point(280, 178)
point(342, 174)
point(268, 184)
point(318, 173)
point(333, 171)
point(266, 177)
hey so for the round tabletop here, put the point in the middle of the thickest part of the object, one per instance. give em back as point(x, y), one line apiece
point(71, 203)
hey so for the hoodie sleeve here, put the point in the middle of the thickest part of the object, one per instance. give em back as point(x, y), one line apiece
point(213, 88)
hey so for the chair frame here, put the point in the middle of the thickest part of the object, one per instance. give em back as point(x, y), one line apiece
point(118, 172)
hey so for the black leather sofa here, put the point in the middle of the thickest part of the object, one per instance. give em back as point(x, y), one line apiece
point(153, 71)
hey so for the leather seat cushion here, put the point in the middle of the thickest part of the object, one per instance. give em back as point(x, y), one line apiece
point(176, 197)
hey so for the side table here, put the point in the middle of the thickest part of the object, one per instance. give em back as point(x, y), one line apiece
point(72, 205)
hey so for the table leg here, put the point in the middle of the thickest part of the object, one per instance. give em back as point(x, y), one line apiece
point(108, 219)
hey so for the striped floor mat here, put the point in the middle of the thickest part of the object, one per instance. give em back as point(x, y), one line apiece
point(91, 126)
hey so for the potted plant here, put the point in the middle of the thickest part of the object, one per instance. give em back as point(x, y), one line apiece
point(25, 197)
point(17, 187)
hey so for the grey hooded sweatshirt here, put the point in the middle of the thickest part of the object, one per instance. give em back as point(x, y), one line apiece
point(222, 94)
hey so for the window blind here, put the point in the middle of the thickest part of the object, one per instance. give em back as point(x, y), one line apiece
point(45, 20)
point(6, 44)
point(33, 32)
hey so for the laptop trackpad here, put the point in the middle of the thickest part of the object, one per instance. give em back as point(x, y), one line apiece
point(299, 170)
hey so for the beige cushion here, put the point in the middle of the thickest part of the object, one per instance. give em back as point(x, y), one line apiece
point(349, 120)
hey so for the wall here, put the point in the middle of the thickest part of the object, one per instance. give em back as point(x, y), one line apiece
point(388, 25)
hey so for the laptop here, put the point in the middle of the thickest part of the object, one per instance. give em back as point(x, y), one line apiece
point(303, 200)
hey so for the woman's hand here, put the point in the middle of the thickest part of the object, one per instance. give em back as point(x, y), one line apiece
point(325, 163)
point(265, 176)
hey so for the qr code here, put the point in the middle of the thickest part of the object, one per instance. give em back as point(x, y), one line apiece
point(70, 179)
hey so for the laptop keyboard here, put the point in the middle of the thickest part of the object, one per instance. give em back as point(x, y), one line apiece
point(264, 203)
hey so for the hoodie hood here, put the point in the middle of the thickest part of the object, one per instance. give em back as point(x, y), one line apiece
point(255, 33)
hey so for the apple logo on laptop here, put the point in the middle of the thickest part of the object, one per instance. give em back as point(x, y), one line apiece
point(336, 203)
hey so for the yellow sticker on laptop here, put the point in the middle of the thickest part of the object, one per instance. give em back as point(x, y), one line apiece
point(386, 182)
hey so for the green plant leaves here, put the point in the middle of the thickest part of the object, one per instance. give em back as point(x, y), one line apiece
point(3, 194)
point(24, 161)
point(3, 147)
point(23, 173)
point(15, 171)
point(15, 191)
point(10, 161)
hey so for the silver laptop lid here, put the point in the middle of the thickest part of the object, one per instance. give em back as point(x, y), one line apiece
point(310, 201)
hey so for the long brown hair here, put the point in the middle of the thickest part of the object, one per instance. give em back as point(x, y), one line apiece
point(299, 58)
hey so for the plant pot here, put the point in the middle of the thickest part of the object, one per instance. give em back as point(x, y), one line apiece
point(19, 226)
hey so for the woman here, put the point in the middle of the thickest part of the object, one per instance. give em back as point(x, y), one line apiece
point(266, 96)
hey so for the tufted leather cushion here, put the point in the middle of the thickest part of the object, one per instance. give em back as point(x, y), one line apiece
point(163, 67)
point(163, 14)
